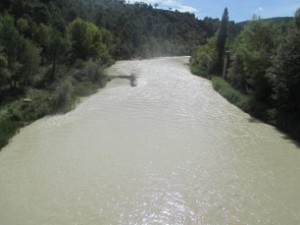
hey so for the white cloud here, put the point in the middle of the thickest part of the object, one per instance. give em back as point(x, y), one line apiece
point(173, 4)
point(185, 8)
point(259, 10)
point(149, 1)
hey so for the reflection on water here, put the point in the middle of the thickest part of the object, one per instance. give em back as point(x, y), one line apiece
point(167, 151)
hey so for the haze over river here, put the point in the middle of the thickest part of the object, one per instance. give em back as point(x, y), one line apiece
point(169, 151)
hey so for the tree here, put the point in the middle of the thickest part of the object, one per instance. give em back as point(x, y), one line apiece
point(204, 58)
point(58, 45)
point(41, 14)
point(254, 47)
point(284, 73)
point(42, 35)
point(22, 56)
point(10, 40)
point(83, 38)
point(29, 60)
point(237, 74)
point(87, 40)
point(221, 41)
point(22, 25)
point(297, 18)
point(4, 73)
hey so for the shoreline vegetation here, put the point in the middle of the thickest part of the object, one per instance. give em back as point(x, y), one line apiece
point(266, 114)
point(37, 104)
point(258, 69)
point(287, 123)
point(62, 98)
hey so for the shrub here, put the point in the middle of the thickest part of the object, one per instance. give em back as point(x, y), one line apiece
point(202, 64)
point(7, 129)
point(236, 73)
point(94, 71)
point(62, 95)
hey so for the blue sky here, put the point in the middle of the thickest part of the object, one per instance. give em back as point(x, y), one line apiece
point(239, 10)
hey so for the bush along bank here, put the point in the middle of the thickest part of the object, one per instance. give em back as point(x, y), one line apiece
point(287, 122)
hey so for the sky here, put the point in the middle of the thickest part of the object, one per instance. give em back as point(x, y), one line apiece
point(239, 10)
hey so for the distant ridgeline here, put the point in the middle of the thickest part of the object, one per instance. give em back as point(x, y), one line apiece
point(276, 20)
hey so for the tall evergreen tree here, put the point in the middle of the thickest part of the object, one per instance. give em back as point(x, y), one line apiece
point(297, 18)
point(221, 41)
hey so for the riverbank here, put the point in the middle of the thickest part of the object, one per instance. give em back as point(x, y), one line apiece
point(60, 97)
point(284, 122)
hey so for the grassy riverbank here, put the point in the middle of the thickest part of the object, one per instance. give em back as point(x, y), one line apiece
point(60, 97)
point(288, 123)
point(244, 101)
point(235, 97)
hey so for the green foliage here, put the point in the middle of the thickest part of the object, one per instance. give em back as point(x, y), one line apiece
point(209, 58)
point(62, 95)
point(204, 58)
point(267, 76)
point(56, 49)
point(22, 56)
point(29, 61)
point(232, 95)
point(41, 13)
point(284, 74)
point(237, 74)
point(201, 64)
point(22, 25)
point(4, 73)
point(94, 71)
point(87, 41)
point(297, 18)
point(7, 129)
point(42, 36)
point(254, 47)
point(211, 25)
point(135, 26)
point(221, 42)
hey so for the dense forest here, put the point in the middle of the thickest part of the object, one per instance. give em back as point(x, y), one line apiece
point(54, 50)
point(257, 69)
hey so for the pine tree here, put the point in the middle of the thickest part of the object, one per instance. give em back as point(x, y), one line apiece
point(221, 42)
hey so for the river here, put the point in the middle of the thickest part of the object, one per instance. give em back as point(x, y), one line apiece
point(169, 151)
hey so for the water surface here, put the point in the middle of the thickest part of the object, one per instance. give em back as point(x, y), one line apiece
point(168, 151)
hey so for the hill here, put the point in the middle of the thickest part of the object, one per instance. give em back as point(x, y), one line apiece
point(273, 20)
point(138, 29)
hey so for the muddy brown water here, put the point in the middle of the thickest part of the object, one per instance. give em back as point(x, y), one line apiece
point(168, 151)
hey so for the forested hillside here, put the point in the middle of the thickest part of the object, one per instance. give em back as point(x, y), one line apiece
point(258, 69)
point(137, 30)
